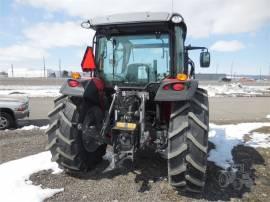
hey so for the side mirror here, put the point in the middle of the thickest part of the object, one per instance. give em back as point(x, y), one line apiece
point(88, 62)
point(205, 59)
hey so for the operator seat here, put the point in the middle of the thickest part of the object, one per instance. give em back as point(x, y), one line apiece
point(133, 71)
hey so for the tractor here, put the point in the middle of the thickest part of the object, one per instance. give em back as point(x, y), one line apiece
point(138, 90)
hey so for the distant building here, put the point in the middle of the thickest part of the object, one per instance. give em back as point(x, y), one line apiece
point(209, 77)
point(3, 74)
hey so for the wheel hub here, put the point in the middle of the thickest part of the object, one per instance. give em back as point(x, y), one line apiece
point(3, 122)
point(91, 133)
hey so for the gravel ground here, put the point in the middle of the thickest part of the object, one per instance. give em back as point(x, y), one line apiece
point(15, 144)
point(145, 180)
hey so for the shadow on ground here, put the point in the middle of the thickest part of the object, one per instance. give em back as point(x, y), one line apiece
point(240, 178)
point(148, 168)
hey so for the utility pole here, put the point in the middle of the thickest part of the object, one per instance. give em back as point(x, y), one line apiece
point(269, 73)
point(260, 73)
point(44, 67)
point(59, 65)
point(12, 71)
point(232, 70)
point(217, 68)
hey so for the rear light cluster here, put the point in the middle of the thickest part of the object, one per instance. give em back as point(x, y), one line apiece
point(73, 83)
point(22, 108)
point(175, 87)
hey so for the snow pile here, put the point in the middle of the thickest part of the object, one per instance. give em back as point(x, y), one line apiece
point(236, 90)
point(30, 91)
point(226, 137)
point(32, 127)
point(259, 140)
point(15, 184)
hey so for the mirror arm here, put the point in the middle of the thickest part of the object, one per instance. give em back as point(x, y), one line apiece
point(189, 47)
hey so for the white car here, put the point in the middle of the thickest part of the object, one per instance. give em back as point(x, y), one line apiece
point(11, 109)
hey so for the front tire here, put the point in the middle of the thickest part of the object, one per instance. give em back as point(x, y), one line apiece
point(188, 143)
point(65, 139)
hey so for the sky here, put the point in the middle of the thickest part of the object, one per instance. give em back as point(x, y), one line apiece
point(237, 32)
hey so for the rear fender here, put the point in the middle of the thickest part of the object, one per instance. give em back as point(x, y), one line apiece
point(171, 95)
point(91, 89)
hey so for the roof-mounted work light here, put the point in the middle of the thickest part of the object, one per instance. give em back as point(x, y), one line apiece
point(177, 19)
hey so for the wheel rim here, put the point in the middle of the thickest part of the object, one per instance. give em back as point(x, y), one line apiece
point(3, 122)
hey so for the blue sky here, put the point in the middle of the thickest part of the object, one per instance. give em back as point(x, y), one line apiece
point(236, 32)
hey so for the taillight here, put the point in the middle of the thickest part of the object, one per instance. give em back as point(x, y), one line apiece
point(73, 83)
point(178, 87)
point(166, 87)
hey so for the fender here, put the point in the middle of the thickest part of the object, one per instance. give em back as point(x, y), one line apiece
point(172, 95)
point(92, 89)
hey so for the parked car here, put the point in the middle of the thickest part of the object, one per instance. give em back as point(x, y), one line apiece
point(225, 79)
point(12, 108)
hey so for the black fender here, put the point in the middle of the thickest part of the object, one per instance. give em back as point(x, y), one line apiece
point(87, 89)
point(171, 95)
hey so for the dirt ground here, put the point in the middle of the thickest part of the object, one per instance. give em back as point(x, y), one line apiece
point(145, 180)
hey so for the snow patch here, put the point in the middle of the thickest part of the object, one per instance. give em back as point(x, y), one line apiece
point(15, 184)
point(268, 116)
point(30, 91)
point(259, 140)
point(236, 90)
point(32, 127)
point(226, 137)
point(232, 89)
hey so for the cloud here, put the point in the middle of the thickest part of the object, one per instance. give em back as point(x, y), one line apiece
point(227, 46)
point(21, 52)
point(52, 35)
point(39, 39)
point(203, 18)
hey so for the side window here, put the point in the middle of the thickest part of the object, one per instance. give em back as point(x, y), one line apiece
point(108, 59)
point(118, 58)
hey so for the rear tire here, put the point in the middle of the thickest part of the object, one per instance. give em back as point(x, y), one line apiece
point(188, 142)
point(65, 139)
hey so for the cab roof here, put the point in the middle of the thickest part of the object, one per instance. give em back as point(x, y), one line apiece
point(137, 21)
point(125, 18)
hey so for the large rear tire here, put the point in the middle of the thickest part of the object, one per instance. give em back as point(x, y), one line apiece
point(188, 142)
point(65, 139)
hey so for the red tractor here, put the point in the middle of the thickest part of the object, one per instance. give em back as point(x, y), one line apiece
point(140, 92)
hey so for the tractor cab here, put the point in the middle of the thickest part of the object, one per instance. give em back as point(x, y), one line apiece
point(135, 50)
